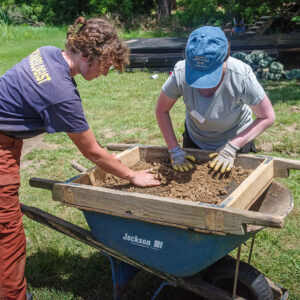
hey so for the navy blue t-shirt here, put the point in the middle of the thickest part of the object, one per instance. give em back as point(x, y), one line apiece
point(38, 95)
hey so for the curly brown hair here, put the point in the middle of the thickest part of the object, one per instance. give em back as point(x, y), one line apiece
point(95, 38)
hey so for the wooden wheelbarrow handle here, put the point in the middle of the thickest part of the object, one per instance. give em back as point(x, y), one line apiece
point(46, 184)
point(78, 166)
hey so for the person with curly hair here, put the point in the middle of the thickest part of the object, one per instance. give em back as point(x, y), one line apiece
point(39, 95)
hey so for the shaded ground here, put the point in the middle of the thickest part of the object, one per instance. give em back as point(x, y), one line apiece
point(200, 184)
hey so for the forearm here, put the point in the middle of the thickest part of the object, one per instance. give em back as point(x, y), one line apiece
point(109, 163)
point(265, 118)
point(256, 128)
point(166, 128)
point(162, 111)
point(88, 146)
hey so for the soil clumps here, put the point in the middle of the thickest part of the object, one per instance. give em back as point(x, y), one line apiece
point(199, 184)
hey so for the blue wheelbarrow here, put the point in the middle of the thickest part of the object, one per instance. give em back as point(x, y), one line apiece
point(185, 244)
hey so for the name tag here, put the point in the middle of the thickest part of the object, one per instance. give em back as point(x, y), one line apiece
point(197, 116)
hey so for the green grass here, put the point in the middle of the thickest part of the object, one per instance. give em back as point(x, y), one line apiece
point(151, 34)
point(23, 39)
point(120, 108)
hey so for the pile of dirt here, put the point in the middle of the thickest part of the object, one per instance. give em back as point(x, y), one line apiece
point(200, 184)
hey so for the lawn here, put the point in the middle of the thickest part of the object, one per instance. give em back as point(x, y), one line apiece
point(120, 109)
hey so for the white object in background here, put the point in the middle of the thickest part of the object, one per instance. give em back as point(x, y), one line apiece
point(154, 76)
point(131, 41)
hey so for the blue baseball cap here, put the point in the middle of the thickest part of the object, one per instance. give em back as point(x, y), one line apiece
point(205, 53)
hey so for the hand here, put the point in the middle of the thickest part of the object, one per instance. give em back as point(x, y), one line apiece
point(180, 160)
point(144, 178)
point(224, 158)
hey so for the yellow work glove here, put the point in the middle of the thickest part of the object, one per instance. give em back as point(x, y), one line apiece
point(181, 160)
point(224, 158)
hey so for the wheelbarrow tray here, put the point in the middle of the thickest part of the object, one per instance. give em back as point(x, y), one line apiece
point(233, 216)
point(174, 236)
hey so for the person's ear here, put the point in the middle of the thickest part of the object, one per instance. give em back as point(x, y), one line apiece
point(87, 60)
point(84, 58)
point(90, 59)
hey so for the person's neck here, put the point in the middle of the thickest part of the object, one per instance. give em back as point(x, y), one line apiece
point(72, 60)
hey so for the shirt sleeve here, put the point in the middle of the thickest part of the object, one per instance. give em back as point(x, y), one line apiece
point(253, 93)
point(67, 116)
point(170, 87)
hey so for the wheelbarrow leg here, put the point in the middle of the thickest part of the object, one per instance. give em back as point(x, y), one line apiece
point(251, 249)
point(163, 284)
point(122, 273)
point(236, 274)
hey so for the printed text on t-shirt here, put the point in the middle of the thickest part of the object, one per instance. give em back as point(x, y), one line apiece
point(38, 68)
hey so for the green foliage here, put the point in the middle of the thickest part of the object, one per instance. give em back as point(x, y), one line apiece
point(189, 13)
point(195, 13)
point(296, 19)
point(249, 10)
point(125, 8)
point(216, 12)
point(4, 22)
point(53, 12)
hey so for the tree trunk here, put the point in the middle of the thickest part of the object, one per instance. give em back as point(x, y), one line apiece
point(172, 4)
point(163, 9)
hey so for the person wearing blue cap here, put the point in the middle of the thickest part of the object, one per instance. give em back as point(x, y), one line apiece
point(220, 93)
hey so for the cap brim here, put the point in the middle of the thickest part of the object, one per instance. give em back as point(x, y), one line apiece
point(203, 79)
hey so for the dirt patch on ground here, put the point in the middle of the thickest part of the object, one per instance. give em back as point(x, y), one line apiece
point(267, 146)
point(292, 128)
point(294, 108)
point(107, 133)
point(36, 142)
point(200, 184)
point(132, 130)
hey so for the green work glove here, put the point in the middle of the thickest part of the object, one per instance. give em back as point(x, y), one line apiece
point(181, 160)
point(224, 158)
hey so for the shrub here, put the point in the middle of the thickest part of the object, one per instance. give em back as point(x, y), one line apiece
point(195, 13)
point(53, 12)
point(125, 8)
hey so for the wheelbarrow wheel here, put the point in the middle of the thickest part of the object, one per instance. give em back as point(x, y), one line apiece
point(251, 285)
